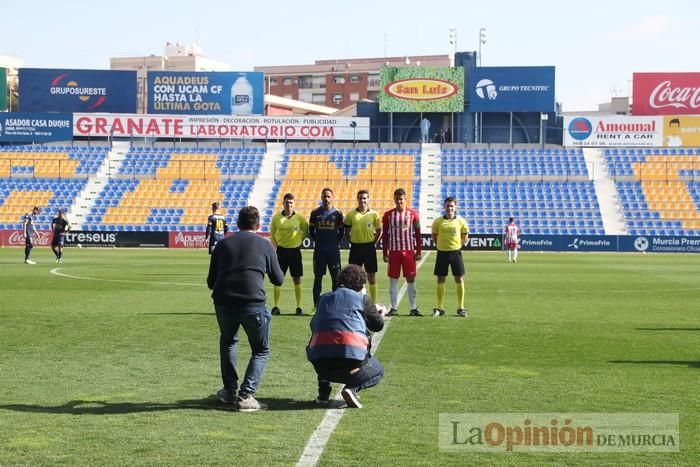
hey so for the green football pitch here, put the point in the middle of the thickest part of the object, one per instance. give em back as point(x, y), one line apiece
point(112, 359)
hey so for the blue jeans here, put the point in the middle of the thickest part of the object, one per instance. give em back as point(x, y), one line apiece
point(255, 320)
point(368, 375)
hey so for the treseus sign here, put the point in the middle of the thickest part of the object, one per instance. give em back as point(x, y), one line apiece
point(665, 93)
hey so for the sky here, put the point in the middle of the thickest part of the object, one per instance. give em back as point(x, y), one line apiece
point(594, 45)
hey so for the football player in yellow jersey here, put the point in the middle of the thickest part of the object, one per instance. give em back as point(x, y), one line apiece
point(287, 230)
point(449, 234)
point(363, 228)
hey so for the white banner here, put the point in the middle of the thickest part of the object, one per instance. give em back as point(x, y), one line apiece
point(613, 130)
point(222, 127)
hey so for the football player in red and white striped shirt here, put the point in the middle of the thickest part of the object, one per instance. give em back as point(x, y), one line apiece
point(401, 242)
point(511, 233)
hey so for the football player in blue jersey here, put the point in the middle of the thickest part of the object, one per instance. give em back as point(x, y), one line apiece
point(60, 226)
point(326, 230)
point(216, 227)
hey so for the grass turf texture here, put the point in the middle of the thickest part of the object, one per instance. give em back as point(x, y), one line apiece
point(122, 369)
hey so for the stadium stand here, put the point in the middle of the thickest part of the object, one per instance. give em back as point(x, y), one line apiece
point(546, 189)
point(168, 189)
point(658, 189)
point(50, 177)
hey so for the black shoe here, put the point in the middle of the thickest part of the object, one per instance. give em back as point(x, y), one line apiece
point(393, 312)
point(323, 399)
point(462, 313)
point(415, 312)
point(275, 311)
point(351, 398)
point(299, 312)
point(438, 312)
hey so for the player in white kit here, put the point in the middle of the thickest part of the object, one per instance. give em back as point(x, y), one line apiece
point(511, 234)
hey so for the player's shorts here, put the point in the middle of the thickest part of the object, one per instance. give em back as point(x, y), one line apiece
point(213, 240)
point(364, 254)
point(290, 258)
point(58, 240)
point(449, 260)
point(327, 259)
point(399, 260)
point(29, 240)
point(512, 245)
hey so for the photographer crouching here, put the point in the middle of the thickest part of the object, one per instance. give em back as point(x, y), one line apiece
point(340, 343)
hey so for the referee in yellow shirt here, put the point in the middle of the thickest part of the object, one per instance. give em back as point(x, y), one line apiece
point(363, 228)
point(287, 231)
point(449, 234)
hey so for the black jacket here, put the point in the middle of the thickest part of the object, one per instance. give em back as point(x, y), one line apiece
point(238, 267)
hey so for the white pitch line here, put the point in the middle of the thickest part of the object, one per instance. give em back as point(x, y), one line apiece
point(319, 438)
point(56, 272)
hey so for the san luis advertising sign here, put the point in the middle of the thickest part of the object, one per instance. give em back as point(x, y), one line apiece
point(422, 89)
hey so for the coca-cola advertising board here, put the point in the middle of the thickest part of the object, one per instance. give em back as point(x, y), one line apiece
point(16, 238)
point(665, 93)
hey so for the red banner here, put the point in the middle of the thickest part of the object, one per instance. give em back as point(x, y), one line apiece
point(666, 93)
point(15, 238)
point(186, 240)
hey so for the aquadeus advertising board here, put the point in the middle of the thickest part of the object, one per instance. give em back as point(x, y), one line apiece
point(613, 130)
point(665, 93)
point(57, 90)
point(31, 127)
point(222, 126)
point(421, 89)
point(225, 93)
point(511, 89)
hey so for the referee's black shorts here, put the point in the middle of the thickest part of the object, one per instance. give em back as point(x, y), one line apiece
point(364, 254)
point(449, 259)
point(290, 258)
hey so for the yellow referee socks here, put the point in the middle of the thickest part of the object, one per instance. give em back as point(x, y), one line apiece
point(441, 296)
point(373, 292)
point(277, 293)
point(460, 294)
point(297, 294)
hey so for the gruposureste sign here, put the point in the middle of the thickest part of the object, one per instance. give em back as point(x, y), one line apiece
point(58, 90)
point(222, 127)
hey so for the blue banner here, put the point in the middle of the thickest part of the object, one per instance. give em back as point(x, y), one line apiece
point(52, 90)
point(190, 92)
point(30, 127)
point(511, 89)
point(615, 243)
point(659, 244)
point(568, 242)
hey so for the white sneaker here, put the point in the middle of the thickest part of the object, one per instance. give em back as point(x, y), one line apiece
point(29, 261)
